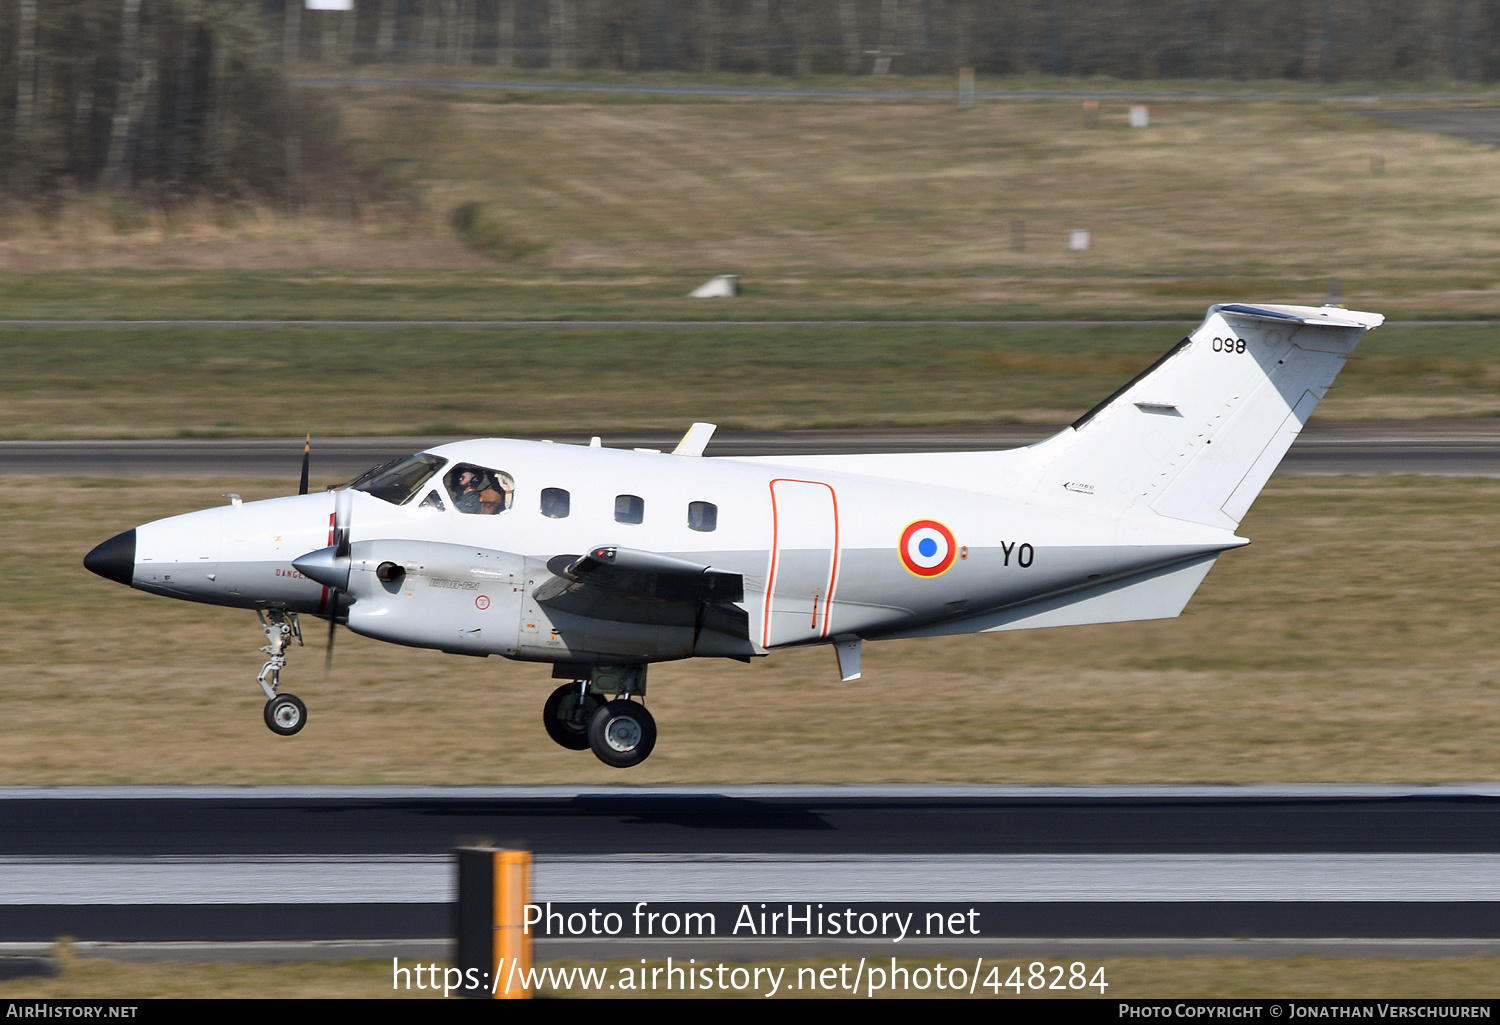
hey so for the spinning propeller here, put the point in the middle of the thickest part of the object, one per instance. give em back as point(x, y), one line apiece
point(328, 566)
point(343, 502)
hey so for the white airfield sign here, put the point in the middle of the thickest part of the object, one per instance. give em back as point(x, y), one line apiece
point(600, 562)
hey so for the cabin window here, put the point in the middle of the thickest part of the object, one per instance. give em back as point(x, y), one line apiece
point(398, 480)
point(703, 516)
point(629, 509)
point(479, 490)
point(555, 502)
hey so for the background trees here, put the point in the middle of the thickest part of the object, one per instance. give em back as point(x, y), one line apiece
point(174, 98)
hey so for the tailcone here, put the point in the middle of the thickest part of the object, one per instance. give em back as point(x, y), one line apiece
point(114, 559)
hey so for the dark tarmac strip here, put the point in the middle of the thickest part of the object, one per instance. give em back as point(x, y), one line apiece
point(690, 820)
point(1465, 448)
point(1131, 869)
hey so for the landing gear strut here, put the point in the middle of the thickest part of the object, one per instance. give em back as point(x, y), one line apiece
point(284, 713)
point(620, 732)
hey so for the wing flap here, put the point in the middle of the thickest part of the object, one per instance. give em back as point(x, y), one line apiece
point(634, 586)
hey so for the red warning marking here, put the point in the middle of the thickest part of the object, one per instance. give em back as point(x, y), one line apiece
point(482, 602)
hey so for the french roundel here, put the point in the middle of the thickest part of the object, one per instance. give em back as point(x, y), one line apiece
point(927, 548)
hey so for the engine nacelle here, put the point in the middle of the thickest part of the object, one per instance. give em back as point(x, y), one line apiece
point(429, 594)
point(478, 601)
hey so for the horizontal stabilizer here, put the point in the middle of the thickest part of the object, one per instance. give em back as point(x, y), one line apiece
point(1160, 593)
point(1325, 316)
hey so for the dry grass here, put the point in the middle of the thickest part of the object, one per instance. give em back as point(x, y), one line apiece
point(1353, 641)
point(1128, 978)
point(878, 208)
point(205, 238)
point(848, 187)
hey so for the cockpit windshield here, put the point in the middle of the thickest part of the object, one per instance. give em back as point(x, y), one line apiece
point(397, 481)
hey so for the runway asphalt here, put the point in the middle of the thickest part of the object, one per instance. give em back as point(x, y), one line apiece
point(1477, 124)
point(1442, 447)
point(611, 820)
point(1414, 867)
point(627, 820)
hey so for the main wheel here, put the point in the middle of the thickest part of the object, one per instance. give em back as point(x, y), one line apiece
point(622, 733)
point(285, 714)
point(566, 716)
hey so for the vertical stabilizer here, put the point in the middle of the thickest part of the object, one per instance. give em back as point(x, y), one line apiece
point(1197, 435)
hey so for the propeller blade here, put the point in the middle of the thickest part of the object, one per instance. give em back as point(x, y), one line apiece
point(333, 622)
point(306, 463)
point(342, 505)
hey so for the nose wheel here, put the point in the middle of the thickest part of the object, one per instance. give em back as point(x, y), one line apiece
point(286, 714)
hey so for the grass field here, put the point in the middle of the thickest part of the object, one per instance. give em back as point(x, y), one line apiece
point(1127, 978)
point(592, 206)
point(1353, 641)
point(114, 383)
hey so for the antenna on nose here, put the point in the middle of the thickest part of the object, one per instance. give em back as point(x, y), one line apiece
point(306, 463)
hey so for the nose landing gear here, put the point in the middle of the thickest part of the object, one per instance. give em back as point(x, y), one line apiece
point(580, 716)
point(285, 714)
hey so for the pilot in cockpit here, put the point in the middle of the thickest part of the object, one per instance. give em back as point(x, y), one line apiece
point(477, 490)
point(466, 491)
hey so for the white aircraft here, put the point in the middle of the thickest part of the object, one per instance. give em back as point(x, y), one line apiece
point(602, 561)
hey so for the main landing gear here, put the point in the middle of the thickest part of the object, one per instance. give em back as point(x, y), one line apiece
point(285, 713)
point(597, 713)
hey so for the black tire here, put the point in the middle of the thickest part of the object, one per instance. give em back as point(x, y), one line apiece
point(622, 734)
point(286, 714)
point(567, 715)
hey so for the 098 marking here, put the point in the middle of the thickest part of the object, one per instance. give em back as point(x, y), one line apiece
point(1229, 345)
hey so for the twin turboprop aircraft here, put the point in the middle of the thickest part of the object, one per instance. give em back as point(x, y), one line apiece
point(602, 561)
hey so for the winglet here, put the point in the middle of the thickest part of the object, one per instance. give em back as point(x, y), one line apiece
point(695, 440)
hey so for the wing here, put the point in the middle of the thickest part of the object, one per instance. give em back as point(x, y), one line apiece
point(632, 586)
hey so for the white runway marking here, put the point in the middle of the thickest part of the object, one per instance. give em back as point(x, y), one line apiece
point(737, 878)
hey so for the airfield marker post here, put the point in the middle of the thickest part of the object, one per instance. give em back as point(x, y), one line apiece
point(494, 947)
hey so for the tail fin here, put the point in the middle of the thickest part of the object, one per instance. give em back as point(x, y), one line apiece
point(1199, 432)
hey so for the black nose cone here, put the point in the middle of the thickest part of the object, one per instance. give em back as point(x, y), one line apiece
point(114, 559)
